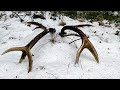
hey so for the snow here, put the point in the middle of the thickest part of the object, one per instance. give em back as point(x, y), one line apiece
point(57, 60)
point(115, 13)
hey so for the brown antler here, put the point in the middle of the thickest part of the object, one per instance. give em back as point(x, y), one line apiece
point(38, 25)
point(26, 49)
point(85, 42)
point(82, 25)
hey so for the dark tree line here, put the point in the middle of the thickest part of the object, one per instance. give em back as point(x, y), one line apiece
point(112, 16)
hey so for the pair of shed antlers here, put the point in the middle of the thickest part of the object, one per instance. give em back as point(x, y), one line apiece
point(26, 49)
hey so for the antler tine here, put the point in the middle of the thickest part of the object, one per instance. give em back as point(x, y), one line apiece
point(30, 60)
point(13, 49)
point(71, 35)
point(62, 34)
point(83, 25)
point(85, 42)
point(35, 28)
point(25, 51)
point(22, 56)
point(38, 25)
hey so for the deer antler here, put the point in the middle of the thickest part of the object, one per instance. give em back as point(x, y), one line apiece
point(26, 49)
point(85, 42)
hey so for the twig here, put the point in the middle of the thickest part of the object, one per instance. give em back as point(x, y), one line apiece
point(42, 45)
point(52, 75)
point(68, 67)
point(74, 40)
point(71, 39)
point(18, 16)
point(6, 26)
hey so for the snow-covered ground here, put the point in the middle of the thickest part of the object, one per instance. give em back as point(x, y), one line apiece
point(57, 60)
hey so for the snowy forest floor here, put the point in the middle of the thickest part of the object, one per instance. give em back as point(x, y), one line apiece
point(57, 60)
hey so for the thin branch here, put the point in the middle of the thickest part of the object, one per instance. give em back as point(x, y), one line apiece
point(18, 16)
point(52, 75)
point(74, 40)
